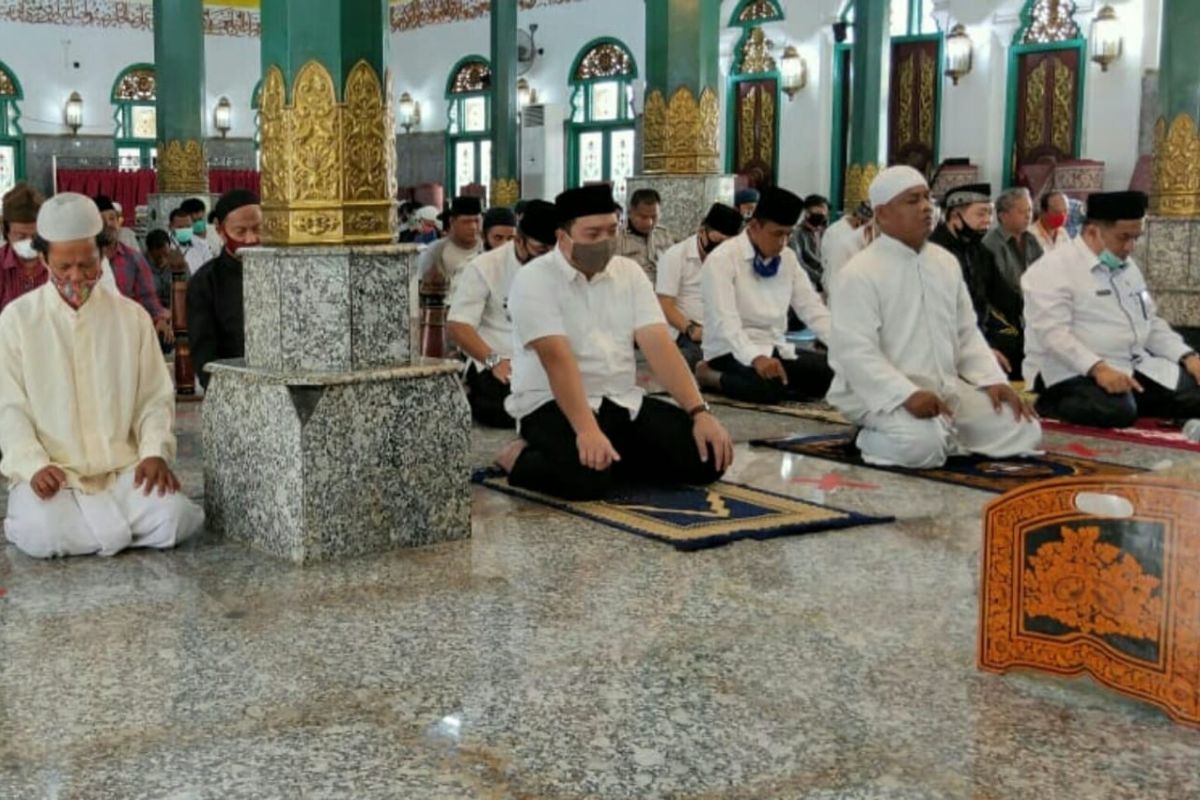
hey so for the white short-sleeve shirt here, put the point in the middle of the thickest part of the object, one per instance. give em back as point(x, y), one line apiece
point(679, 278)
point(599, 317)
point(480, 298)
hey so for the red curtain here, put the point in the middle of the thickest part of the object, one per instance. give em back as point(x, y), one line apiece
point(221, 181)
point(129, 188)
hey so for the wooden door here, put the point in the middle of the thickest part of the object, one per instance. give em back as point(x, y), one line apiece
point(913, 104)
point(1047, 106)
point(756, 119)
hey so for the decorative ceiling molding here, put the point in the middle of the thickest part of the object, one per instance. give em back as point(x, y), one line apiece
point(234, 18)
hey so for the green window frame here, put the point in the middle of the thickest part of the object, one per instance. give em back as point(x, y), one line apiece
point(468, 89)
point(11, 134)
point(837, 161)
point(134, 99)
point(604, 64)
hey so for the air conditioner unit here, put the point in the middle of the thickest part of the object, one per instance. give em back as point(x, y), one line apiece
point(543, 151)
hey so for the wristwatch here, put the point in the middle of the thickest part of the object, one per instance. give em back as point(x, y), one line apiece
point(492, 361)
point(703, 408)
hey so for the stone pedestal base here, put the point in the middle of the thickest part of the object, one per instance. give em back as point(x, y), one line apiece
point(686, 198)
point(161, 206)
point(1170, 258)
point(332, 465)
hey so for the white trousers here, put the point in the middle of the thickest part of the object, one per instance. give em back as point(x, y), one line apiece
point(898, 439)
point(76, 524)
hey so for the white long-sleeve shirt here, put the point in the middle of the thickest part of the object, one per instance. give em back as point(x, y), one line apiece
point(903, 322)
point(746, 314)
point(1079, 312)
point(480, 298)
point(599, 317)
point(679, 278)
point(86, 390)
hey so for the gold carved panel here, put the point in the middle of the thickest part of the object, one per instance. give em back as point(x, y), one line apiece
point(1176, 191)
point(181, 167)
point(680, 136)
point(858, 182)
point(328, 167)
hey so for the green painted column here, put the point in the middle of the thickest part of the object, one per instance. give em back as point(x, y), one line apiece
point(683, 87)
point(1177, 132)
point(506, 176)
point(867, 106)
point(181, 113)
point(327, 131)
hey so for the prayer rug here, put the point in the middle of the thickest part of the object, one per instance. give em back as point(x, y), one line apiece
point(694, 518)
point(819, 412)
point(976, 472)
point(1152, 432)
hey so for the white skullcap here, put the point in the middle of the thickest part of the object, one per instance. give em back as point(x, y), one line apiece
point(117, 207)
point(427, 214)
point(892, 182)
point(69, 217)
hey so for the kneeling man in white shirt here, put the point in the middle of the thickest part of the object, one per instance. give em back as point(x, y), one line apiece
point(585, 424)
point(913, 369)
point(748, 285)
point(87, 407)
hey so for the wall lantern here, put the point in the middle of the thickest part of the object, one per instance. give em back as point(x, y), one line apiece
point(223, 116)
point(958, 53)
point(73, 113)
point(410, 113)
point(1106, 38)
point(793, 72)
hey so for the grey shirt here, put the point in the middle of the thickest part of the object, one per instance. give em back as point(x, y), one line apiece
point(1013, 254)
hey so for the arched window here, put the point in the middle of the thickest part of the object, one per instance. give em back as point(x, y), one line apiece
point(469, 128)
point(134, 96)
point(601, 133)
point(12, 140)
point(1046, 65)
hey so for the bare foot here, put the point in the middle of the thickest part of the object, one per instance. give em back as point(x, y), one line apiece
point(506, 459)
point(707, 377)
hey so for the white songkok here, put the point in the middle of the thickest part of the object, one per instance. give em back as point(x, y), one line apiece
point(426, 214)
point(69, 217)
point(892, 182)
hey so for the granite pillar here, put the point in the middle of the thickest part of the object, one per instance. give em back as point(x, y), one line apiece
point(1172, 241)
point(686, 198)
point(327, 440)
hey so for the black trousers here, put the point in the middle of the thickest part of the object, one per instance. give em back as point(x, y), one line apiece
point(487, 395)
point(657, 448)
point(692, 353)
point(1081, 401)
point(808, 377)
point(1012, 345)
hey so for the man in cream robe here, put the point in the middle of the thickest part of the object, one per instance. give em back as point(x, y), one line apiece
point(87, 407)
point(911, 365)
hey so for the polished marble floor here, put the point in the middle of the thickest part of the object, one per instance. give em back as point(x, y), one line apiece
point(548, 657)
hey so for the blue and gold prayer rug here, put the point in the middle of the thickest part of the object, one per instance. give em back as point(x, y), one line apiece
point(976, 472)
point(693, 518)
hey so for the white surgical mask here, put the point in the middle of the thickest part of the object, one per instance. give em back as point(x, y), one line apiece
point(24, 249)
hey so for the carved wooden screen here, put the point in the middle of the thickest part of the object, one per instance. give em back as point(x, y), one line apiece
point(755, 123)
point(913, 103)
point(1047, 106)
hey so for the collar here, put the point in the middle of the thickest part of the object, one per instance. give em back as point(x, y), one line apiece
point(745, 246)
point(1052, 235)
point(8, 258)
point(1084, 253)
point(691, 248)
point(896, 248)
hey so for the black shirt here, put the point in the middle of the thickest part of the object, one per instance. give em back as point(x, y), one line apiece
point(996, 303)
point(215, 315)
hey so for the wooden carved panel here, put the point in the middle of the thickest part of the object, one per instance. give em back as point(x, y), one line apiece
point(756, 124)
point(1047, 105)
point(1114, 597)
point(913, 105)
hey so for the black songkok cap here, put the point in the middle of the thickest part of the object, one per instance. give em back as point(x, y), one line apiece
point(1116, 206)
point(966, 195)
point(466, 207)
point(104, 203)
point(520, 207)
point(584, 202)
point(779, 206)
point(231, 201)
point(540, 222)
point(499, 217)
point(724, 220)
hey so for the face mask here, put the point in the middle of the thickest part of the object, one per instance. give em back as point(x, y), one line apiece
point(24, 249)
point(1054, 221)
point(969, 234)
point(199, 227)
point(232, 246)
point(183, 235)
point(592, 259)
point(1109, 259)
point(817, 220)
point(766, 268)
point(76, 294)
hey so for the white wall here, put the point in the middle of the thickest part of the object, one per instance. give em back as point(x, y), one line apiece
point(972, 114)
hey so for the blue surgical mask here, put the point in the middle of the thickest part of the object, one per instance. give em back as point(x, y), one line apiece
point(764, 267)
point(1110, 260)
